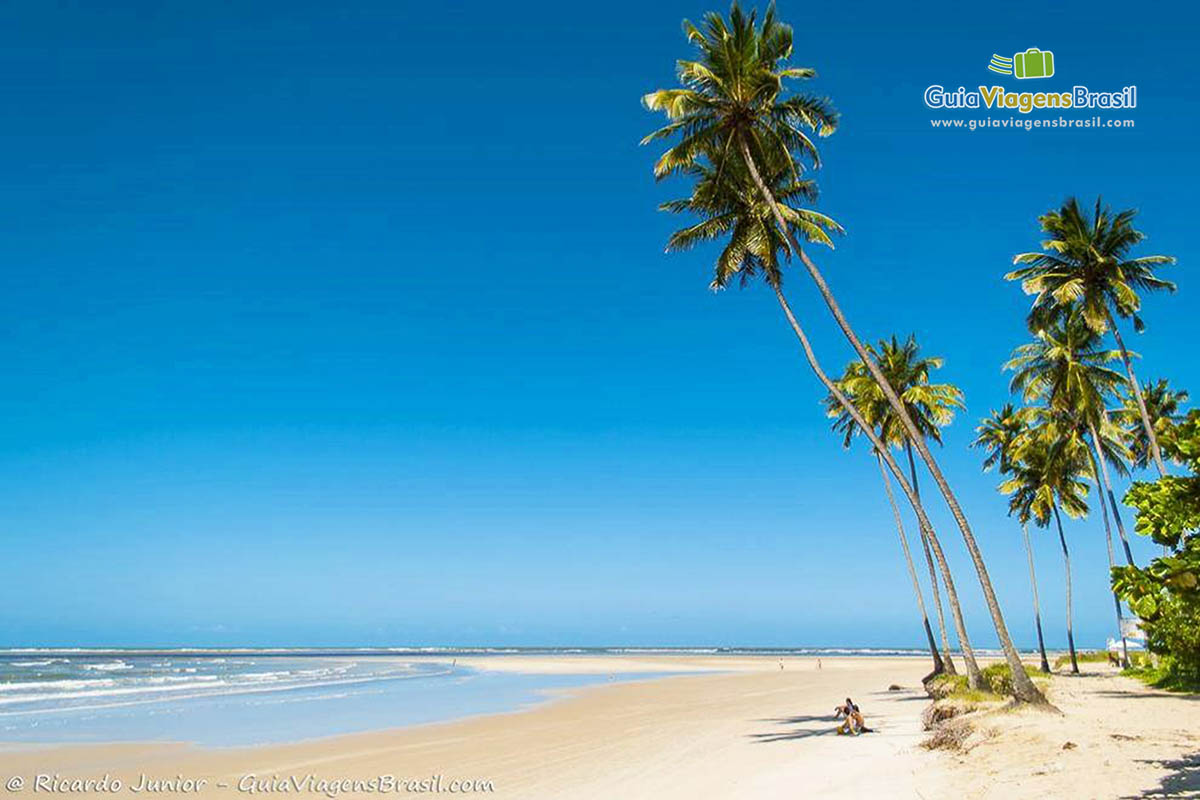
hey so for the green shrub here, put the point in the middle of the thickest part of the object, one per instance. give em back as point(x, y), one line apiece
point(1162, 675)
point(1166, 593)
point(1089, 657)
point(998, 679)
point(946, 685)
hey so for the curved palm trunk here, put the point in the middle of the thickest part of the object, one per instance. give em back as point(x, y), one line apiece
point(938, 665)
point(1151, 436)
point(933, 580)
point(1112, 499)
point(1067, 564)
point(1116, 599)
point(937, 601)
point(1037, 606)
point(1023, 689)
point(974, 677)
point(1097, 459)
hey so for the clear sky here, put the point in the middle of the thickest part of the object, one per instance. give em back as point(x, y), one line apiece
point(351, 323)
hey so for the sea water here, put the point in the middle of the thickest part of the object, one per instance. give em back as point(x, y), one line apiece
point(260, 696)
point(247, 699)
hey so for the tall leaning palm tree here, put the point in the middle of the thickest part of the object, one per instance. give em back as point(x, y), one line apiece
point(1046, 477)
point(939, 663)
point(1087, 262)
point(998, 434)
point(730, 209)
point(931, 406)
point(733, 111)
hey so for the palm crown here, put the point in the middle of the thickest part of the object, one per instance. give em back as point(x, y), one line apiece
point(1087, 262)
point(1064, 366)
point(930, 405)
point(1162, 405)
point(730, 205)
point(734, 94)
point(1047, 470)
point(998, 434)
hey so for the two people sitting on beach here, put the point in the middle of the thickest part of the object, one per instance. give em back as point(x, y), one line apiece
point(853, 722)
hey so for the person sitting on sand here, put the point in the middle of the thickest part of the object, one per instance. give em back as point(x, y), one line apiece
point(854, 722)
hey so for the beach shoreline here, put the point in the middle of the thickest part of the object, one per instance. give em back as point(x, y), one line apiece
point(709, 727)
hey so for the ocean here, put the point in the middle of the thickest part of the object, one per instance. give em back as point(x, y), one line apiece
point(241, 697)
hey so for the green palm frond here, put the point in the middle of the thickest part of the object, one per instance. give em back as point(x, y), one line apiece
point(931, 406)
point(1065, 367)
point(729, 206)
point(735, 89)
point(1086, 262)
point(1163, 406)
point(1048, 466)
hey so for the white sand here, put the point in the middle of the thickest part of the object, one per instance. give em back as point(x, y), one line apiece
point(752, 731)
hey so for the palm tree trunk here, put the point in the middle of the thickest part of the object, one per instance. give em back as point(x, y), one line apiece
point(1151, 436)
point(937, 600)
point(938, 666)
point(1097, 460)
point(1037, 606)
point(933, 581)
point(974, 676)
point(1023, 689)
point(1117, 600)
point(1067, 564)
point(1112, 499)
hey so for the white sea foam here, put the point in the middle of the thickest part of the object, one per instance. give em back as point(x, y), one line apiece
point(118, 696)
point(112, 666)
point(90, 685)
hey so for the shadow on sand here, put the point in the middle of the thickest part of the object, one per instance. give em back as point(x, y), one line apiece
point(1182, 781)
point(817, 725)
point(786, 736)
point(799, 720)
point(1149, 693)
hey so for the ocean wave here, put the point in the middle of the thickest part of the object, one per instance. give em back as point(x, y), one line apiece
point(112, 666)
point(57, 702)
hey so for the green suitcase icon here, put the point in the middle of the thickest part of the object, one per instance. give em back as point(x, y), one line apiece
point(1033, 63)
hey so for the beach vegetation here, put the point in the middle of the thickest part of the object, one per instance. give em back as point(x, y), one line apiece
point(1165, 594)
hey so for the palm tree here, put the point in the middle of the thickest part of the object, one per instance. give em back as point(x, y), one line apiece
point(999, 434)
point(931, 406)
point(1065, 366)
point(1162, 407)
point(730, 208)
point(732, 110)
point(1086, 262)
point(1045, 478)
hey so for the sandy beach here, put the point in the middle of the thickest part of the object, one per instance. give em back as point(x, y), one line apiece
point(727, 727)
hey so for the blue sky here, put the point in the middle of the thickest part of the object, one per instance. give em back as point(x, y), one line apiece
point(353, 325)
